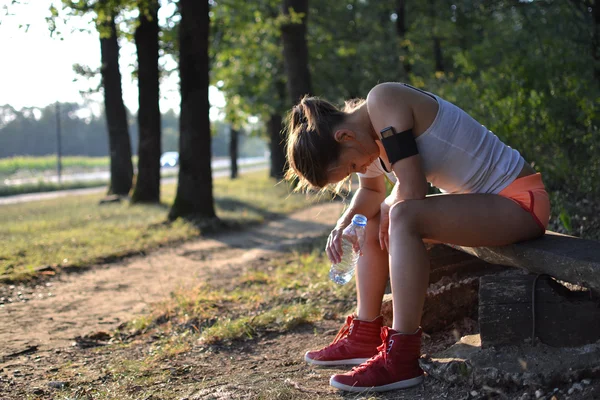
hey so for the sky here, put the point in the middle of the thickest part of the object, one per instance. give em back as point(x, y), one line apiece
point(37, 69)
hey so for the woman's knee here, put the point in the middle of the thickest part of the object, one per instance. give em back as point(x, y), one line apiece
point(404, 216)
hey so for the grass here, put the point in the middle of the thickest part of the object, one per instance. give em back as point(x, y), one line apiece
point(37, 167)
point(76, 231)
point(274, 296)
point(287, 293)
point(12, 165)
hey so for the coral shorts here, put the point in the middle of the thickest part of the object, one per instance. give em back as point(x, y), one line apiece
point(530, 193)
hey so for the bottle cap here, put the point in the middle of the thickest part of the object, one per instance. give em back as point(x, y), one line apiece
point(359, 220)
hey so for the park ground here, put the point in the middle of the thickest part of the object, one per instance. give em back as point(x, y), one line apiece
point(228, 315)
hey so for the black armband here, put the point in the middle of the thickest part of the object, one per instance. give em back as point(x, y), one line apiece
point(398, 146)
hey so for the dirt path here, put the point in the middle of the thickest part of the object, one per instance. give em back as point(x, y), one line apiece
point(52, 315)
point(270, 366)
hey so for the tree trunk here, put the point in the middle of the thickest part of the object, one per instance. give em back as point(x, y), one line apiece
point(147, 188)
point(437, 43)
point(596, 40)
point(295, 51)
point(277, 145)
point(121, 167)
point(233, 152)
point(194, 197)
point(401, 30)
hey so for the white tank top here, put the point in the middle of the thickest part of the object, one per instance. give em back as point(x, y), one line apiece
point(462, 156)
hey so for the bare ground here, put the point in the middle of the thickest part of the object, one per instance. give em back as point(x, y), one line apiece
point(38, 328)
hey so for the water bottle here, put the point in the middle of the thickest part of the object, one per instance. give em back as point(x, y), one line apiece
point(342, 272)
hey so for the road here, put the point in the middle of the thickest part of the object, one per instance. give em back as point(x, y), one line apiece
point(22, 198)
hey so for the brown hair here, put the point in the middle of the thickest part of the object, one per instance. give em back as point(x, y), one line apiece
point(311, 146)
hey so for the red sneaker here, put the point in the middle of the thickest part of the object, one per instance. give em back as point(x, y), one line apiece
point(354, 344)
point(396, 366)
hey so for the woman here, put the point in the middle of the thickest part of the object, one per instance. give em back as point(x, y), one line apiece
point(491, 197)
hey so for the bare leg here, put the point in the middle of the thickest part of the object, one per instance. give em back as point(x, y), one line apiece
point(371, 274)
point(468, 219)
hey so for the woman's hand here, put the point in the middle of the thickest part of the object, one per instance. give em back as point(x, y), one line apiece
point(334, 243)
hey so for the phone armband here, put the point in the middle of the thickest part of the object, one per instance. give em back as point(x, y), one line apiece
point(398, 145)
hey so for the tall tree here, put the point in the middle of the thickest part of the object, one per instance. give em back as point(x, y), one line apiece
point(147, 188)
point(247, 37)
point(121, 167)
point(295, 58)
point(276, 140)
point(233, 151)
point(295, 48)
point(194, 197)
point(435, 37)
point(401, 30)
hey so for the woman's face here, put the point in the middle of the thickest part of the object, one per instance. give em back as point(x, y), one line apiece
point(354, 157)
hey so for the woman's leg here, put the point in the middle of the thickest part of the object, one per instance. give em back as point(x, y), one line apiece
point(371, 274)
point(467, 219)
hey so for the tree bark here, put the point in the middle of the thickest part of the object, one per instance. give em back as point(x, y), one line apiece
point(567, 258)
point(401, 31)
point(437, 42)
point(147, 188)
point(233, 152)
point(277, 145)
point(194, 199)
point(295, 51)
point(596, 39)
point(121, 167)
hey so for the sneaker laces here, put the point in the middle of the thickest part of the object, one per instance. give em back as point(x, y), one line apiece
point(344, 330)
point(380, 357)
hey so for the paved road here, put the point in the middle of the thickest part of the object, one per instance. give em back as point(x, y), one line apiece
point(22, 198)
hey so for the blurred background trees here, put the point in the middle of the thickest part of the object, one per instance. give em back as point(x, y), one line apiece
point(527, 69)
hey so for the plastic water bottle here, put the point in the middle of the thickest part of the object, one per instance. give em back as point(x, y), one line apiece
point(342, 272)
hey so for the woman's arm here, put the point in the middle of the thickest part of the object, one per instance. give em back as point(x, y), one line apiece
point(371, 192)
point(387, 107)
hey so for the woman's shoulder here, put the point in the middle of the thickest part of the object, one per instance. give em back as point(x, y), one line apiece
point(384, 89)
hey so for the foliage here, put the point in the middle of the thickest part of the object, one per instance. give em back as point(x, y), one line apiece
point(247, 59)
point(528, 70)
point(528, 79)
point(523, 69)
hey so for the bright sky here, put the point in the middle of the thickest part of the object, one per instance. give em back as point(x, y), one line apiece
point(37, 69)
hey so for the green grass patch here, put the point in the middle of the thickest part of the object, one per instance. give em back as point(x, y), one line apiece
point(12, 165)
point(274, 296)
point(40, 168)
point(278, 297)
point(76, 231)
point(281, 317)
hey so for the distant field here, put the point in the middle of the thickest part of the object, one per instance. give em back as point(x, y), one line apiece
point(75, 231)
point(12, 165)
point(20, 175)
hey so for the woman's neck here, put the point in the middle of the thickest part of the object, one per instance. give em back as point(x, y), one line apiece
point(361, 122)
